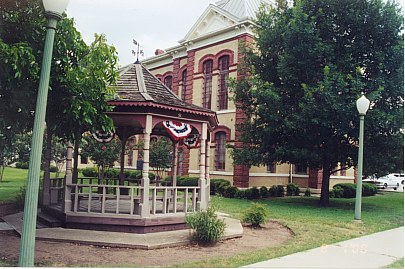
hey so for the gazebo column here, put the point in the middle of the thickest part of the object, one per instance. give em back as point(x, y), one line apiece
point(207, 169)
point(145, 171)
point(122, 158)
point(175, 164)
point(202, 198)
point(67, 202)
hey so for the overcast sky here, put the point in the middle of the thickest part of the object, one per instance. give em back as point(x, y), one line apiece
point(153, 23)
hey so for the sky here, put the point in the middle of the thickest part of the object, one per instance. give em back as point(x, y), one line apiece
point(155, 24)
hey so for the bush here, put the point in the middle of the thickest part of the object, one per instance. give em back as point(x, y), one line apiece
point(22, 165)
point(221, 188)
point(90, 172)
point(255, 215)
point(112, 173)
point(187, 181)
point(240, 194)
point(255, 193)
point(264, 192)
point(293, 189)
point(230, 191)
point(207, 228)
point(214, 183)
point(344, 190)
point(276, 191)
point(53, 169)
point(307, 192)
point(369, 189)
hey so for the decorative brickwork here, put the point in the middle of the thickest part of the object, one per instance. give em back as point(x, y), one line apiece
point(241, 172)
point(315, 179)
point(176, 76)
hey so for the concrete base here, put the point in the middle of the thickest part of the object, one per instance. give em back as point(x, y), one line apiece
point(156, 240)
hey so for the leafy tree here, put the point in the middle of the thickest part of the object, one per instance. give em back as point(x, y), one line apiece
point(311, 63)
point(161, 155)
point(103, 154)
point(80, 74)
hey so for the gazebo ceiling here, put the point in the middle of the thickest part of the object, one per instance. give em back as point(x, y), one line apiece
point(138, 90)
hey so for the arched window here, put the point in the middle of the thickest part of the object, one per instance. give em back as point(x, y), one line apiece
point(207, 86)
point(184, 85)
point(223, 82)
point(168, 82)
point(220, 152)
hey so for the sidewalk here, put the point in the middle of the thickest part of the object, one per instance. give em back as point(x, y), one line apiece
point(371, 251)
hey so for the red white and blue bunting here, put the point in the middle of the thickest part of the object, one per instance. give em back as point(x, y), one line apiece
point(103, 137)
point(192, 141)
point(177, 129)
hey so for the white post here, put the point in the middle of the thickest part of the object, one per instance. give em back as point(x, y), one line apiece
point(145, 171)
point(207, 169)
point(67, 205)
point(174, 166)
point(201, 183)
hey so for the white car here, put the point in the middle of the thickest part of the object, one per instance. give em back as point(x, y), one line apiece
point(394, 180)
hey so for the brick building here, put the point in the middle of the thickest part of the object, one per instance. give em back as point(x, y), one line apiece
point(197, 70)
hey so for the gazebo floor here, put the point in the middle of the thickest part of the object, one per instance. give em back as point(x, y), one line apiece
point(118, 218)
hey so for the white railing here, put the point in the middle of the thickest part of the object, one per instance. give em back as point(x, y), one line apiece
point(127, 200)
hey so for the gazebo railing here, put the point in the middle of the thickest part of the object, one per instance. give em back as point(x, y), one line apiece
point(127, 200)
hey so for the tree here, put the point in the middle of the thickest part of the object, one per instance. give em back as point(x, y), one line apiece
point(311, 62)
point(161, 155)
point(103, 154)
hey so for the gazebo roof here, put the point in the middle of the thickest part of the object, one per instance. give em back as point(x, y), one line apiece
point(137, 87)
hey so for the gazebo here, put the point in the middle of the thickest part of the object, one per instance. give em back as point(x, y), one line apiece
point(142, 106)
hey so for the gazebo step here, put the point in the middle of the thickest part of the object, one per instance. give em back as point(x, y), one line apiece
point(48, 220)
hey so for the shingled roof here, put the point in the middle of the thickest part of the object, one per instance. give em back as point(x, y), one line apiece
point(136, 86)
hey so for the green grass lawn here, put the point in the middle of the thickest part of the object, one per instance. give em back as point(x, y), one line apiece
point(13, 179)
point(313, 226)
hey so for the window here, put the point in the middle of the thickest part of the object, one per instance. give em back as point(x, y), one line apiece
point(207, 86)
point(168, 82)
point(223, 82)
point(184, 85)
point(271, 168)
point(83, 160)
point(300, 169)
point(220, 152)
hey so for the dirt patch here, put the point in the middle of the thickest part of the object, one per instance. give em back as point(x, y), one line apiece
point(66, 254)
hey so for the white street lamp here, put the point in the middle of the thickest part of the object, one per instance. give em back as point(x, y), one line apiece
point(53, 11)
point(363, 105)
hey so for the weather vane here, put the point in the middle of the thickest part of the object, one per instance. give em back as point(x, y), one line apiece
point(137, 52)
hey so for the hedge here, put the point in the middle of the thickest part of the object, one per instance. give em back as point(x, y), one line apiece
point(348, 190)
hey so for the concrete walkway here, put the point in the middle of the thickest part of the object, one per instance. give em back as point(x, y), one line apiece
point(372, 251)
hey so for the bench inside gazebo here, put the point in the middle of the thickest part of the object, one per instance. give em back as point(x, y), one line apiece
point(144, 107)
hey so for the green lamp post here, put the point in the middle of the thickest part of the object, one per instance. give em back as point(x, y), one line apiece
point(362, 106)
point(53, 12)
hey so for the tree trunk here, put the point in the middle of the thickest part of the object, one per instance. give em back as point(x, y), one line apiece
point(47, 173)
point(324, 201)
point(2, 167)
point(75, 173)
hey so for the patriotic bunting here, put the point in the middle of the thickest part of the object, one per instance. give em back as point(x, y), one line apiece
point(192, 141)
point(177, 129)
point(103, 137)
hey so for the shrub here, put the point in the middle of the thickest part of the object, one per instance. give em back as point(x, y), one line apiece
point(255, 215)
point(369, 189)
point(293, 189)
point(337, 192)
point(307, 192)
point(264, 192)
point(248, 194)
point(221, 188)
point(22, 165)
point(214, 183)
point(111, 173)
point(90, 172)
point(207, 228)
point(349, 190)
point(255, 193)
point(240, 194)
point(230, 191)
point(187, 181)
point(53, 169)
point(273, 191)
